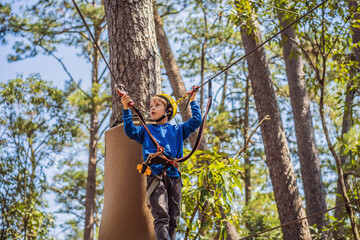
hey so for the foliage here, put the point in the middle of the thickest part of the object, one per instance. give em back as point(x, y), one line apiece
point(45, 24)
point(35, 127)
point(260, 215)
point(210, 181)
point(43, 28)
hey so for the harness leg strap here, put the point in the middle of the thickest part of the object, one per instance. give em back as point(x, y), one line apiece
point(151, 189)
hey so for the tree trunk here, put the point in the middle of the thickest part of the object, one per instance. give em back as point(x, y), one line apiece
point(223, 95)
point(346, 125)
point(135, 62)
point(179, 89)
point(202, 73)
point(134, 58)
point(94, 134)
point(173, 72)
point(91, 180)
point(282, 175)
point(247, 162)
point(354, 5)
point(347, 118)
point(172, 69)
point(308, 154)
point(203, 60)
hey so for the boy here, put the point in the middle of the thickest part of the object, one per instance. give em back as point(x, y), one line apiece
point(165, 200)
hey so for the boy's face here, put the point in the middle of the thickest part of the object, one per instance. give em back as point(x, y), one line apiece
point(157, 109)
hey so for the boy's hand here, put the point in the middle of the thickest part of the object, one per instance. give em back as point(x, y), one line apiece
point(193, 96)
point(125, 100)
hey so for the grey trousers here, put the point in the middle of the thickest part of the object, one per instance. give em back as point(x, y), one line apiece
point(165, 204)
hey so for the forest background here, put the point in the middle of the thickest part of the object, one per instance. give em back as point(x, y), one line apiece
point(56, 105)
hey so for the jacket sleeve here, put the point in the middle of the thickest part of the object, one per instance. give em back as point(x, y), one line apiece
point(132, 131)
point(194, 122)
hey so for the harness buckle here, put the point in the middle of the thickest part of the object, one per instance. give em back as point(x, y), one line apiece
point(144, 169)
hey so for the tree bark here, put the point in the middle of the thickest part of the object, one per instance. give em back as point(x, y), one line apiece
point(135, 62)
point(94, 134)
point(354, 9)
point(91, 180)
point(308, 153)
point(134, 59)
point(171, 66)
point(247, 161)
point(346, 125)
point(282, 175)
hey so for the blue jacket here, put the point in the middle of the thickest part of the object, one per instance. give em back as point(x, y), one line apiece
point(170, 137)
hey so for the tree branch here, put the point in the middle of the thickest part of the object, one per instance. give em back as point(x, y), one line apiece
point(65, 69)
point(267, 117)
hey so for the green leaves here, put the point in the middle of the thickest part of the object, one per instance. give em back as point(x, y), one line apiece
point(211, 181)
point(36, 126)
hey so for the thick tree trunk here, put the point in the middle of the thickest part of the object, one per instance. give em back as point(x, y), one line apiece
point(94, 134)
point(282, 175)
point(308, 154)
point(135, 62)
point(134, 58)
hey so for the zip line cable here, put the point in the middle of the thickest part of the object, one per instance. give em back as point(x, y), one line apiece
point(122, 86)
point(301, 219)
point(291, 12)
point(121, 90)
point(119, 85)
point(94, 41)
point(262, 44)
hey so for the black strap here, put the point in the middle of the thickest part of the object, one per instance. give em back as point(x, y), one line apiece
point(161, 118)
point(202, 126)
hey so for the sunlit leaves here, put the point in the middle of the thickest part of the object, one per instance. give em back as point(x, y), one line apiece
point(211, 181)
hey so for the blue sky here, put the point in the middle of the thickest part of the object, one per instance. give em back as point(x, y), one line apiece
point(48, 67)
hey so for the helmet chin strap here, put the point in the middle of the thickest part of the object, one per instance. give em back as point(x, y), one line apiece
point(162, 117)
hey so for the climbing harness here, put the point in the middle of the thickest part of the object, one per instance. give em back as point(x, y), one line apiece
point(160, 157)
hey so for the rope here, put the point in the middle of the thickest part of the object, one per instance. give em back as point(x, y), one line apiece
point(119, 85)
point(300, 219)
point(94, 41)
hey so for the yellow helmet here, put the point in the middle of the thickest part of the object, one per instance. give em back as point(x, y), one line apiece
point(171, 105)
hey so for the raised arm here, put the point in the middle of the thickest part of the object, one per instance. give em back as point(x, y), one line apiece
point(132, 131)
